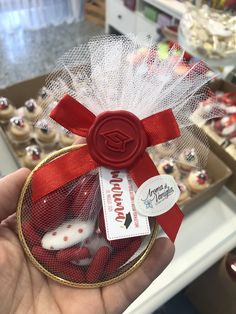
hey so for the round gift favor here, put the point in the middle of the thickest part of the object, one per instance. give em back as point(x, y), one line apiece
point(64, 235)
point(84, 216)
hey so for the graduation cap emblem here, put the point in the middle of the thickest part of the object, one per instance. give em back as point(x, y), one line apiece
point(128, 220)
point(116, 140)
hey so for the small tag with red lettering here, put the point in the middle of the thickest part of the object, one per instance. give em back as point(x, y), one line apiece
point(122, 219)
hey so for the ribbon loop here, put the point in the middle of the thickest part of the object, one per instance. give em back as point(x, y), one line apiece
point(161, 127)
point(78, 121)
point(60, 171)
point(122, 130)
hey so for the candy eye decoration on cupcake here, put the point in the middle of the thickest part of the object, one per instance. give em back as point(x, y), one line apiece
point(31, 110)
point(202, 177)
point(30, 105)
point(4, 104)
point(18, 122)
point(44, 133)
point(43, 92)
point(6, 109)
point(34, 151)
point(168, 166)
point(19, 129)
point(190, 154)
point(188, 159)
point(198, 180)
point(33, 156)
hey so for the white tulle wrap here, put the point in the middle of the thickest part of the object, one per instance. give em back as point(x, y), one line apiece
point(102, 76)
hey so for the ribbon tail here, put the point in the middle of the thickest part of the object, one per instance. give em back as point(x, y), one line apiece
point(79, 119)
point(60, 171)
point(170, 221)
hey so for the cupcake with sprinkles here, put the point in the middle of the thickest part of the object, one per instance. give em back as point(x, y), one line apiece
point(188, 159)
point(198, 181)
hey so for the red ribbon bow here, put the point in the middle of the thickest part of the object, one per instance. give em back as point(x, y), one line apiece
point(116, 139)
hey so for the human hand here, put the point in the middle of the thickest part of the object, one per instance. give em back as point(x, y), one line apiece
point(25, 290)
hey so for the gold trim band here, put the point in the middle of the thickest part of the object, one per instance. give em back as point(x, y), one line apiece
point(140, 259)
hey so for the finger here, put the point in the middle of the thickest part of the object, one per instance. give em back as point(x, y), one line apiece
point(10, 222)
point(10, 188)
point(132, 286)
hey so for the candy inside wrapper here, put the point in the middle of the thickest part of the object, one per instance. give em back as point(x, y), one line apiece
point(125, 106)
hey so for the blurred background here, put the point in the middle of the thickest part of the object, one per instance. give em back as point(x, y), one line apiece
point(35, 33)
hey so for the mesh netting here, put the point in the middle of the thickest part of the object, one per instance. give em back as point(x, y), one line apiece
point(113, 73)
point(65, 233)
point(103, 75)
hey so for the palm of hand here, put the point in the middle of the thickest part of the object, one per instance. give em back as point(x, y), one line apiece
point(25, 290)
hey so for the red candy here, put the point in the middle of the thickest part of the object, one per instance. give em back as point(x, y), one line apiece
point(66, 270)
point(73, 254)
point(98, 264)
point(123, 256)
point(83, 196)
point(50, 211)
point(30, 234)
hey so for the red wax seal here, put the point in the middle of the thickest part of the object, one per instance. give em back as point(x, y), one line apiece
point(116, 139)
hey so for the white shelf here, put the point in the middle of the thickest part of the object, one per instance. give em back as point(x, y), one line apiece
point(206, 235)
point(171, 7)
point(141, 15)
point(116, 9)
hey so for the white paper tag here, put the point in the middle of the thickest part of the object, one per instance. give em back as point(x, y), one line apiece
point(121, 217)
point(156, 195)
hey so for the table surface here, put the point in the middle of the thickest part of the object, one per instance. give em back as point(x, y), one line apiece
point(29, 54)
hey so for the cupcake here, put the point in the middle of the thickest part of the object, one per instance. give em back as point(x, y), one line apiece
point(184, 193)
point(32, 157)
point(198, 180)
point(45, 135)
point(6, 110)
point(19, 130)
point(188, 159)
point(42, 95)
point(166, 149)
point(67, 138)
point(31, 110)
point(168, 166)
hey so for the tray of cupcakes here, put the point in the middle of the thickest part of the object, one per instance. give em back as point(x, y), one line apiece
point(196, 185)
point(27, 143)
point(221, 131)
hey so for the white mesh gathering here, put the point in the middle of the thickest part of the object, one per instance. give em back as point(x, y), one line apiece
point(102, 76)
